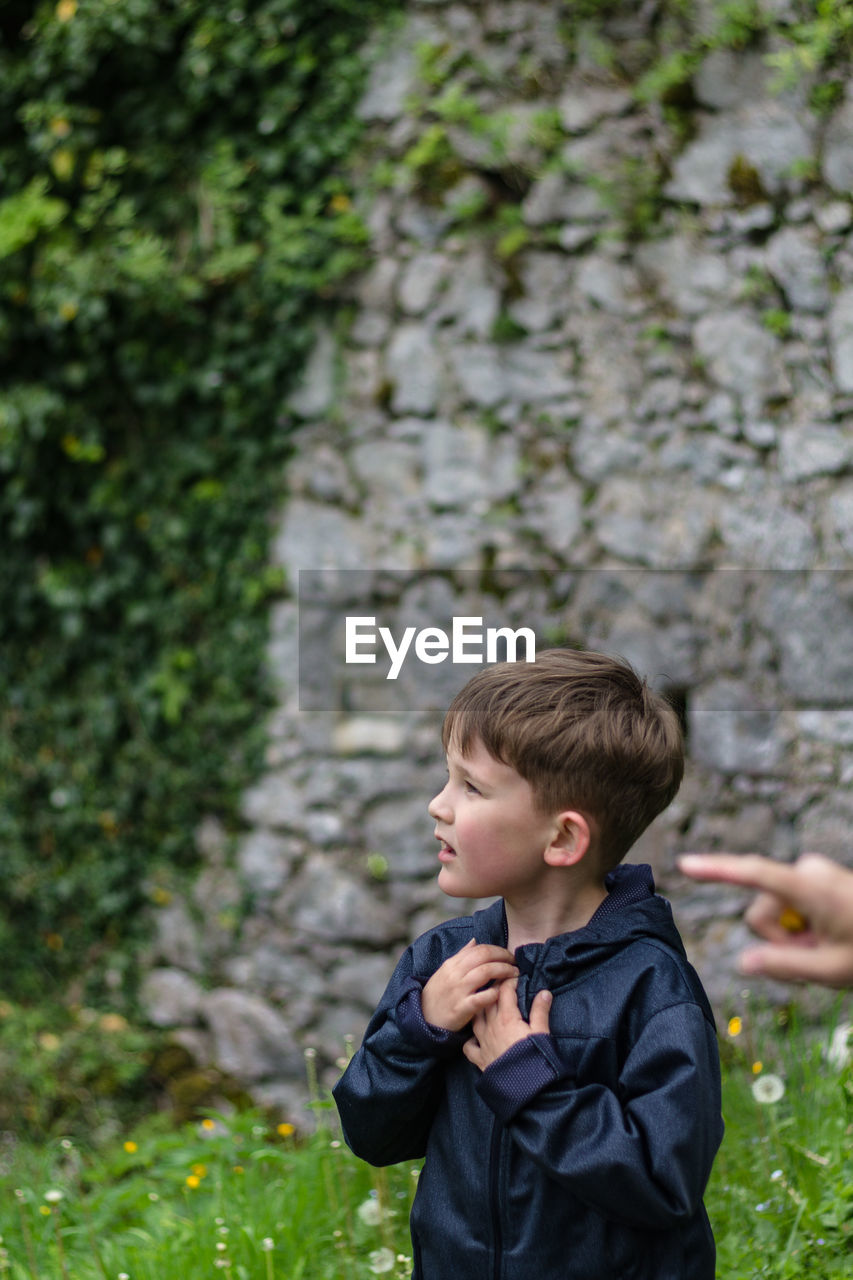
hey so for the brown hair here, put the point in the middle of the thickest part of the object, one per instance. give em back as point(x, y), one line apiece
point(586, 733)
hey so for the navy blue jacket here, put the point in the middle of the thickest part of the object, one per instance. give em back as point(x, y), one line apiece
point(578, 1155)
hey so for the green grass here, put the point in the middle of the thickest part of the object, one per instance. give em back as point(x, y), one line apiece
point(233, 1197)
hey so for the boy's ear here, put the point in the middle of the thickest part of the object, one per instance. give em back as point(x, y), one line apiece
point(572, 840)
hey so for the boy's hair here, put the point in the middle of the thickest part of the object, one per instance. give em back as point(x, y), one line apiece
point(584, 731)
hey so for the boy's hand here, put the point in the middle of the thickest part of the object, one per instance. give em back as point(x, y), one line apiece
point(452, 996)
point(500, 1026)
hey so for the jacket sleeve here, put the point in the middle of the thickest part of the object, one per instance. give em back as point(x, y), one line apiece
point(641, 1153)
point(389, 1093)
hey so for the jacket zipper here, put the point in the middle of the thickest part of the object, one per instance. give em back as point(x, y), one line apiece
point(494, 1200)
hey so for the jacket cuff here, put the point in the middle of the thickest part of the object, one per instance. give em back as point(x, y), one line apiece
point(518, 1075)
point(436, 1041)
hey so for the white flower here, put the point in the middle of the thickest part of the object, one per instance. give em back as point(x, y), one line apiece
point(370, 1213)
point(768, 1088)
point(840, 1050)
point(381, 1260)
point(267, 1244)
point(54, 1196)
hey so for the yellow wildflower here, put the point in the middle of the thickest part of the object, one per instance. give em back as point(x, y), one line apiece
point(286, 1130)
point(791, 920)
point(112, 1022)
point(735, 1026)
point(62, 163)
point(200, 1170)
point(757, 1068)
point(193, 1181)
point(66, 10)
point(130, 1147)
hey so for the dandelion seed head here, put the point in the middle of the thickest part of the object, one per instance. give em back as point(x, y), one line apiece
point(53, 1196)
point(840, 1050)
point(267, 1244)
point(370, 1213)
point(381, 1261)
point(768, 1089)
point(221, 1246)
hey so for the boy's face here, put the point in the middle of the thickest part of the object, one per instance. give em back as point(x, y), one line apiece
point(492, 834)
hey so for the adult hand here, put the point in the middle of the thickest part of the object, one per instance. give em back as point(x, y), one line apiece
point(459, 988)
point(499, 1026)
point(804, 911)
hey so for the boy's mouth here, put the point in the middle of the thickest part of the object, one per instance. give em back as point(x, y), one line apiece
point(445, 853)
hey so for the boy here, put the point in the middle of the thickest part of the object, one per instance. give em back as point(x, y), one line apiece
point(552, 1056)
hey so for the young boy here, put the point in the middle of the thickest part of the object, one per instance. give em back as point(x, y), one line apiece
point(552, 1056)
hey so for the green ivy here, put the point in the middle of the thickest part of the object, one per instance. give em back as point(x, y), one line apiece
point(174, 212)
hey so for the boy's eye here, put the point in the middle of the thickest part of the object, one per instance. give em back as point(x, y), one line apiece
point(470, 788)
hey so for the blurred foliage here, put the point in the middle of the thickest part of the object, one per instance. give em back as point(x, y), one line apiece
point(72, 1071)
point(173, 212)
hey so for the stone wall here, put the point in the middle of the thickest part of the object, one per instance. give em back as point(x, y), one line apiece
point(596, 380)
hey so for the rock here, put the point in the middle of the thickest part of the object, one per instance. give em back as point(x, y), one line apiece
point(813, 451)
point(645, 523)
point(251, 1041)
point(312, 535)
point(766, 136)
point(402, 831)
point(171, 998)
point(583, 105)
point(275, 801)
point(463, 464)
point(727, 78)
point(741, 355)
point(369, 735)
point(555, 514)
point(764, 531)
point(316, 393)
point(414, 370)
point(837, 155)
point(687, 276)
point(731, 730)
point(796, 263)
point(812, 619)
point(325, 902)
point(841, 339)
point(420, 282)
point(480, 374)
point(177, 939)
point(265, 861)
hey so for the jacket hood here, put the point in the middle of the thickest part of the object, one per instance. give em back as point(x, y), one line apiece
point(632, 911)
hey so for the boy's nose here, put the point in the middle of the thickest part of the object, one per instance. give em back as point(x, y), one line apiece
point(438, 807)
